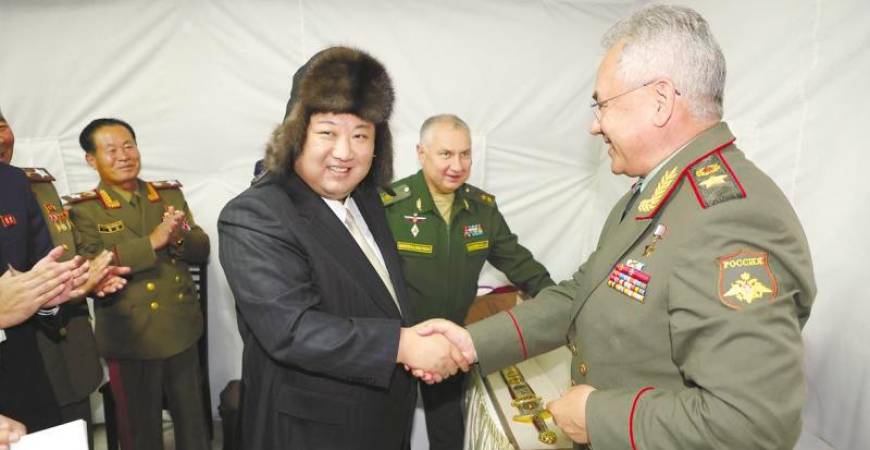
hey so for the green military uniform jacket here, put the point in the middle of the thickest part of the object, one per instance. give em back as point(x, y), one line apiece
point(687, 317)
point(70, 356)
point(442, 264)
point(157, 315)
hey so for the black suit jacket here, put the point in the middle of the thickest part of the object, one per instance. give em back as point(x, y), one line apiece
point(25, 393)
point(320, 330)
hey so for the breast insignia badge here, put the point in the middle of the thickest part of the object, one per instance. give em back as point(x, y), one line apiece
point(414, 220)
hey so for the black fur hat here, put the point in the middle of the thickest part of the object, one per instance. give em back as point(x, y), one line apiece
point(336, 80)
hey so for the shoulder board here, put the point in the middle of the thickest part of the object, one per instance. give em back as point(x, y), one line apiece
point(400, 192)
point(37, 174)
point(713, 180)
point(72, 199)
point(478, 195)
point(167, 184)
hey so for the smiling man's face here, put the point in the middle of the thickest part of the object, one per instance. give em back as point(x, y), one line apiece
point(116, 157)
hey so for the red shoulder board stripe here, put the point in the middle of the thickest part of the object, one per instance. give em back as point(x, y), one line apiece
point(713, 180)
point(679, 178)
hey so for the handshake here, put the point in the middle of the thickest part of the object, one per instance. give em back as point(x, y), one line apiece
point(435, 349)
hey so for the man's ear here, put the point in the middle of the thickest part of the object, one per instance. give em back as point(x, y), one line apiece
point(420, 151)
point(665, 97)
point(92, 160)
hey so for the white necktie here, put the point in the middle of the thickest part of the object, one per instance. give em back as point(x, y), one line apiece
point(379, 266)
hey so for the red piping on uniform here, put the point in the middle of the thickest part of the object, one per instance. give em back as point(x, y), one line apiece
point(519, 334)
point(697, 193)
point(733, 177)
point(116, 385)
point(631, 416)
point(680, 177)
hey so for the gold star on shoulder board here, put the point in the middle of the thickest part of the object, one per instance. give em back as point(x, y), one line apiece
point(713, 181)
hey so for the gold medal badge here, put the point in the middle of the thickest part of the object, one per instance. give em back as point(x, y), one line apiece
point(745, 277)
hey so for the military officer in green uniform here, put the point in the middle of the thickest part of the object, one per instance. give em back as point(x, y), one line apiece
point(70, 357)
point(70, 352)
point(445, 229)
point(149, 331)
point(685, 322)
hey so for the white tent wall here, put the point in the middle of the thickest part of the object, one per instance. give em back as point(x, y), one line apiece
point(205, 82)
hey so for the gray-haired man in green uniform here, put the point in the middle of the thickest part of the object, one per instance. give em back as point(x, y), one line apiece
point(685, 322)
point(445, 229)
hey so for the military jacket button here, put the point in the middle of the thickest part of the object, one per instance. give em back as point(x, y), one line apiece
point(572, 348)
point(155, 305)
point(62, 331)
point(178, 278)
point(150, 286)
point(181, 295)
point(582, 369)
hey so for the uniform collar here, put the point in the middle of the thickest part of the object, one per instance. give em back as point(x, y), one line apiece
point(116, 194)
point(663, 180)
point(423, 198)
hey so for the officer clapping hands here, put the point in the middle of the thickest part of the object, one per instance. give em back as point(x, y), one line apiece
point(169, 230)
point(103, 278)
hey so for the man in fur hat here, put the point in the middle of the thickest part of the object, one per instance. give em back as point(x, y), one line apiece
point(323, 310)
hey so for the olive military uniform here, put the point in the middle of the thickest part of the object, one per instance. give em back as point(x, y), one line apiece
point(687, 317)
point(148, 331)
point(441, 263)
point(70, 355)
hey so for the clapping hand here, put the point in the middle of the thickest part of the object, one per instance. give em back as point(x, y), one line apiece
point(103, 278)
point(47, 284)
point(10, 431)
point(170, 229)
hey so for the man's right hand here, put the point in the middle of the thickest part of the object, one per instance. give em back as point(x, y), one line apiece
point(434, 355)
point(10, 431)
point(458, 337)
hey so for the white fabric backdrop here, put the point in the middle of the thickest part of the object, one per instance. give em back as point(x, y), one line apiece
point(204, 83)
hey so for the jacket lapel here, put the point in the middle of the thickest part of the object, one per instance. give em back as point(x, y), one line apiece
point(336, 239)
point(376, 219)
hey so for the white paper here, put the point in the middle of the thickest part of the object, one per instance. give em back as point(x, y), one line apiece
point(69, 436)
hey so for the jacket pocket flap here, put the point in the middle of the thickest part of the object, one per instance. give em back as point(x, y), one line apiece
point(311, 405)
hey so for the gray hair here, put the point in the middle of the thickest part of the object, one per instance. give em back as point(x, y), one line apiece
point(673, 42)
point(445, 119)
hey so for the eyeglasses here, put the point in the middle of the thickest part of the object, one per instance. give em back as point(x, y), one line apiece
point(599, 106)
